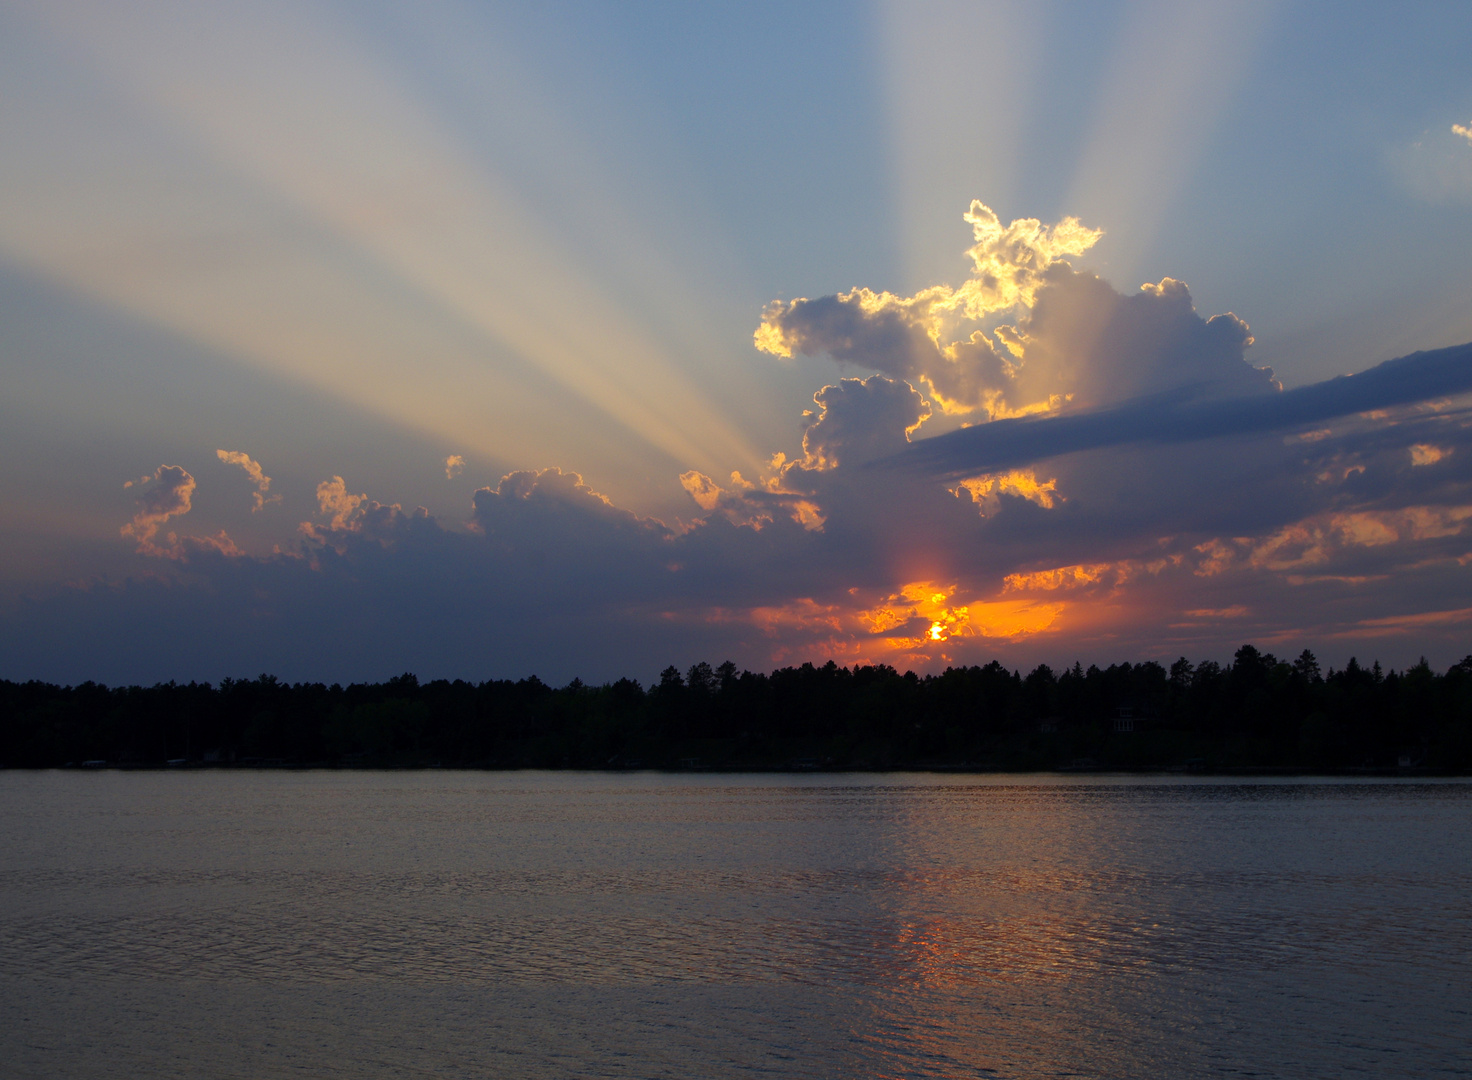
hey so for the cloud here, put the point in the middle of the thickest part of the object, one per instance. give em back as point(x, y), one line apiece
point(860, 420)
point(170, 496)
point(857, 421)
point(1077, 341)
point(254, 471)
point(1464, 131)
point(550, 518)
point(905, 336)
point(1178, 417)
point(454, 466)
point(334, 501)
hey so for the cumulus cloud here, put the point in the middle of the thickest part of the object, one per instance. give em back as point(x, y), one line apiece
point(1009, 265)
point(454, 466)
point(1077, 341)
point(170, 495)
point(1463, 130)
point(337, 503)
point(857, 421)
point(860, 420)
point(253, 470)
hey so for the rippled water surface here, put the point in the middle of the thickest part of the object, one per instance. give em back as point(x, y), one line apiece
point(441, 924)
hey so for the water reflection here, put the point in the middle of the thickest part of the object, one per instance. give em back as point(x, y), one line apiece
point(541, 925)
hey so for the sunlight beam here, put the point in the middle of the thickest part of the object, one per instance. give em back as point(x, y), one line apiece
point(328, 130)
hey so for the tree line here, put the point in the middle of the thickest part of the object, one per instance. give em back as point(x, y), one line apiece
point(1256, 712)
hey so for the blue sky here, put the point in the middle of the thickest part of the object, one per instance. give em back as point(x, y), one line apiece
point(352, 241)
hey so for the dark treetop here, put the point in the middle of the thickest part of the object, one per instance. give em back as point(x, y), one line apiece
point(1257, 712)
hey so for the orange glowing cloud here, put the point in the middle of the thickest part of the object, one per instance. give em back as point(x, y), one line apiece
point(755, 504)
point(1061, 577)
point(984, 489)
point(253, 470)
point(334, 501)
point(1313, 541)
point(171, 495)
point(1426, 454)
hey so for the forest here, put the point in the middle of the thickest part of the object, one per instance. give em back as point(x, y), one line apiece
point(1258, 713)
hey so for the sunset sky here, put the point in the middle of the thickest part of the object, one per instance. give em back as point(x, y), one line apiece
point(483, 340)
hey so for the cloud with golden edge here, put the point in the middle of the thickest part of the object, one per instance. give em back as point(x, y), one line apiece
point(171, 495)
point(352, 515)
point(1426, 454)
point(454, 466)
point(254, 471)
point(856, 421)
point(1314, 541)
point(1024, 483)
point(334, 501)
point(906, 335)
point(754, 504)
point(1061, 577)
point(1076, 343)
point(1465, 131)
point(1009, 263)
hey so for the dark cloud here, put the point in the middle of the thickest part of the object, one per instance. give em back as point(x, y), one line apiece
point(1178, 416)
point(860, 420)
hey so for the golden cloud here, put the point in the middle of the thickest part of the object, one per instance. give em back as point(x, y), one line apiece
point(253, 470)
point(334, 501)
point(1426, 454)
point(984, 489)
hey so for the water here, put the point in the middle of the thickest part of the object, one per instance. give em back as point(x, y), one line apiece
point(442, 924)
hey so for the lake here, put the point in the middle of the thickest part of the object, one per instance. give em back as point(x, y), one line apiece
point(477, 924)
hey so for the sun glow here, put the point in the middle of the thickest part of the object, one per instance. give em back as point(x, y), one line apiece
point(923, 614)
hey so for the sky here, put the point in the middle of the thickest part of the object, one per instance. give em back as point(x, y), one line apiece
point(486, 340)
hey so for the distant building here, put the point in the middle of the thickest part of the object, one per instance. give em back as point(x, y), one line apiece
point(1124, 720)
point(1048, 725)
